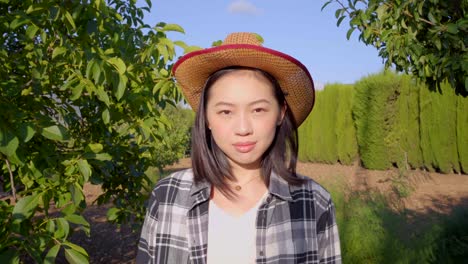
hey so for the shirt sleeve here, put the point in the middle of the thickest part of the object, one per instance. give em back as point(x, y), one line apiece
point(146, 245)
point(328, 238)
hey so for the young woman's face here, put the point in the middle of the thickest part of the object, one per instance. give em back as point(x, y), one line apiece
point(242, 114)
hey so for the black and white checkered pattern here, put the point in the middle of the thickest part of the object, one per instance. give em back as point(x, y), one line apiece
point(295, 224)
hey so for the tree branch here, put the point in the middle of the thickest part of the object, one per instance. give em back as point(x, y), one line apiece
point(344, 7)
point(12, 181)
point(421, 19)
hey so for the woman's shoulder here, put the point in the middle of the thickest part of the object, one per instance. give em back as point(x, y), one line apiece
point(176, 183)
point(177, 177)
point(311, 187)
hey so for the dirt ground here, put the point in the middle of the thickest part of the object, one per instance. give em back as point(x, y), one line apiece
point(425, 193)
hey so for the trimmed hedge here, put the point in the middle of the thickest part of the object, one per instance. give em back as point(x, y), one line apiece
point(438, 115)
point(462, 132)
point(347, 148)
point(409, 153)
point(328, 134)
point(390, 120)
point(374, 112)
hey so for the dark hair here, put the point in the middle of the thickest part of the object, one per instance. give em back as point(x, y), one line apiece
point(210, 163)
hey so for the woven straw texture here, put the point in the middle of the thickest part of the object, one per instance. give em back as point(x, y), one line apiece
point(244, 49)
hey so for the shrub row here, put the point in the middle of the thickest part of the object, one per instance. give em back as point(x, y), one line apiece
point(390, 120)
point(328, 134)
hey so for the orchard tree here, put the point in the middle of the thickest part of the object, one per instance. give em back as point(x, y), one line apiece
point(82, 86)
point(427, 38)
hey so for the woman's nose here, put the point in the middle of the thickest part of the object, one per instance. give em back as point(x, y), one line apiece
point(243, 126)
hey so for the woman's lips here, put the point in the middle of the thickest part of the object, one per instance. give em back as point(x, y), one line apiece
point(244, 147)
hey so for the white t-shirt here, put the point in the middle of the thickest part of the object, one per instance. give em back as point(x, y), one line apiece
point(231, 239)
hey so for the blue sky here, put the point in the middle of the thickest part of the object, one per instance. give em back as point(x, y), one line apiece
point(296, 27)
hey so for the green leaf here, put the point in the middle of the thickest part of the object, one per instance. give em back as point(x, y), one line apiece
point(112, 213)
point(259, 38)
point(102, 95)
point(50, 226)
point(403, 24)
point(68, 209)
point(18, 22)
point(216, 43)
point(192, 48)
point(118, 64)
point(25, 207)
point(70, 19)
point(325, 5)
point(350, 31)
point(431, 18)
point(158, 85)
point(75, 257)
point(70, 81)
point(85, 169)
point(96, 72)
point(76, 248)
point(77, 192)
point(58, 133)
point(9, 256)
point(181, 44)
point(94, 147)
point(31, 31)
point(122, 84)
point(173, 27)
point(32, 8)
point(338, 12)
point(452, 28)
point(165, 87)
point(100, 156)
point(52, 254)
point(89, 68)
point(105, 116)
point(77, 219)
point(163, 51)
point(8, 142)
point(26, 131)
point(58, 51)
point(76, 91)
point(339, 21)
point(63, 228)
point(438, 44)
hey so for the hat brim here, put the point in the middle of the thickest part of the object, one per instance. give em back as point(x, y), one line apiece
point(192, 70)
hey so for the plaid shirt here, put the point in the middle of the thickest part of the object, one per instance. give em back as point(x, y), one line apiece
point(295, 224)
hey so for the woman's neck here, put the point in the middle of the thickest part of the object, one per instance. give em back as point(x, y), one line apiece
point(243, 173)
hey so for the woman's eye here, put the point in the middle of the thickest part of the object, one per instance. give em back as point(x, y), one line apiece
point(224, 112)
point(259, 110)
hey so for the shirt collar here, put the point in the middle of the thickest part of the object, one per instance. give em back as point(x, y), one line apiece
point(201, 191)
point(279, 187)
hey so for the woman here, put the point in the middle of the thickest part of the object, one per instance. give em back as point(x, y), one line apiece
point(242, 201)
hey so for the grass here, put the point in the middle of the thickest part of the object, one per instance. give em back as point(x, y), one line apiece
point(371, 232)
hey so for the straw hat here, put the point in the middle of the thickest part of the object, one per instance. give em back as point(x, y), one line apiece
point(244, 49)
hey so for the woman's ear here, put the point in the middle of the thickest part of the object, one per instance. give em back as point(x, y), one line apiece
point(282, 113)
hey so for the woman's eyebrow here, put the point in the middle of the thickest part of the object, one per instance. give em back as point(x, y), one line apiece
point(222, 103)
point(260, 101)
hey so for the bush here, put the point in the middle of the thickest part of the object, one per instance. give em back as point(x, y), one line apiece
point(346, 144)
point(328, 134)
point(375, 112)
point(438, 115)
point(462, 132)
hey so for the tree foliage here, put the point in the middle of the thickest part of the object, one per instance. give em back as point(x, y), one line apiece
point(426, 38)
point(82, 85)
